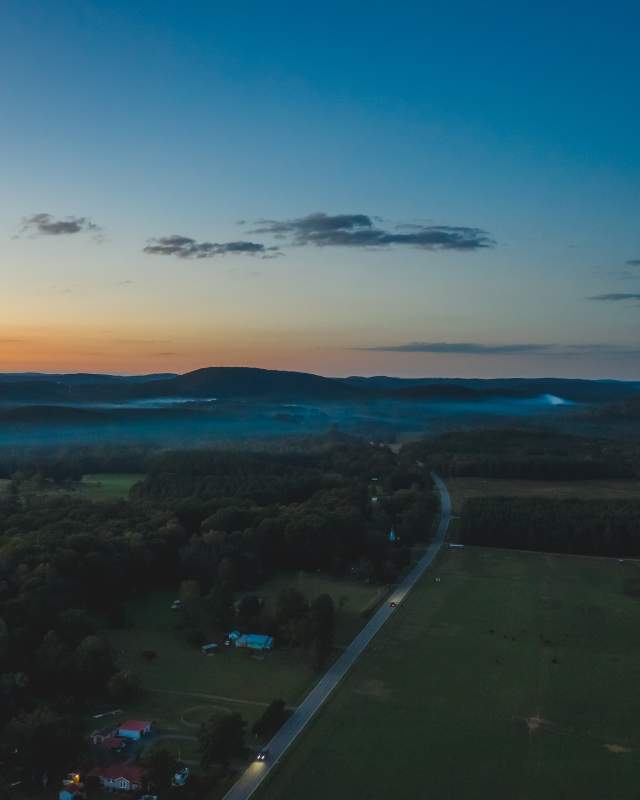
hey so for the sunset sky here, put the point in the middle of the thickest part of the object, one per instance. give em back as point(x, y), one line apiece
point(346, 188)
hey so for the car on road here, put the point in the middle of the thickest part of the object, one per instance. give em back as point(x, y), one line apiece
point(393, 604)
point(262, 755)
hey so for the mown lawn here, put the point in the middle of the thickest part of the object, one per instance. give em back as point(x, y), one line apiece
point(515, 677)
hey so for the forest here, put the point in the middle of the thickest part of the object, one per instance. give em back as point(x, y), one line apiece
point(215, 522)
point(595, 527)
point(526, 454)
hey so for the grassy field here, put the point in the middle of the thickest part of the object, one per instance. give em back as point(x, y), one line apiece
point(513, 678)
point(184, 688)
point(99, 486)
point(108, 486)
point(182, 670)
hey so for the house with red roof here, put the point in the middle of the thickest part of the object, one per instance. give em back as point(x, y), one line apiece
point(122, 777)
point(134, 729)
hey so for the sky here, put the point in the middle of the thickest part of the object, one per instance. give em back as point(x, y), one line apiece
point(419, 189)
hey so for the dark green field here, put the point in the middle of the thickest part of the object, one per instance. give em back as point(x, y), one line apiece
point(513, 678)
point(98, 487)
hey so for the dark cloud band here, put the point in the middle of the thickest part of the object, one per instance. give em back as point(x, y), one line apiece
point(475, 348)
point(47, 225)
point(616, 297)
point(358, 230)
point(185, 247)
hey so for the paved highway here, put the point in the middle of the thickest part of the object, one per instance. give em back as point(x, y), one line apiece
point(253, 776)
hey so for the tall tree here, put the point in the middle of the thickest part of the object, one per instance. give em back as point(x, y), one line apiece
point(221, 739)
point(160, 765)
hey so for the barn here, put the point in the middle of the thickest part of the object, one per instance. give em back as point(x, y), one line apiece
point(255, 641)
point(134, 729)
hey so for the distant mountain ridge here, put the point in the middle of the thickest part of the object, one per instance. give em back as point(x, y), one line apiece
point(285, 386)
point(76, 378)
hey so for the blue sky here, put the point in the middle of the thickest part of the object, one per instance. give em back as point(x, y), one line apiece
point(155, 119)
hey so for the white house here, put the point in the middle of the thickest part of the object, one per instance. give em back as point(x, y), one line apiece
point(121, 777)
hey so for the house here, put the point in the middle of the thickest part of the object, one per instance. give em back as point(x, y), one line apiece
point(209, 649)
point(134, 729)
point(254, 641)
point(121, 777)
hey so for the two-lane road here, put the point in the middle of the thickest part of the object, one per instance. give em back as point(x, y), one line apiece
point(253, 776)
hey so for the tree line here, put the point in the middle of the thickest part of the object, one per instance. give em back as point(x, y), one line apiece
point(597, 527)
point(527, 455)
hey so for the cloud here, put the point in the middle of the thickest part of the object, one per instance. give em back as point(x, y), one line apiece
point(359, 230)
point(47, 225)
point(475, 348)
point(185, 247)
point(633, 262)
point(616, 297)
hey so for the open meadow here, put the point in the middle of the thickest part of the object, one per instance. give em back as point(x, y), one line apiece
point(515, 676)
point(108, 486)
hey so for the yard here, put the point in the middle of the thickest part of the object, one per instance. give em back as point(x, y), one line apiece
point(515, 676)
point(180, 677)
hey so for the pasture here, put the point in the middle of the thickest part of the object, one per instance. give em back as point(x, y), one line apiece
point(108, 486)
point(515, 676)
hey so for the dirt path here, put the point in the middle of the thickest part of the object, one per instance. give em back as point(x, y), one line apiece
point(214, 697)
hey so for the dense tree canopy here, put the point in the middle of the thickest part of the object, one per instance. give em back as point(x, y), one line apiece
point(216, 523)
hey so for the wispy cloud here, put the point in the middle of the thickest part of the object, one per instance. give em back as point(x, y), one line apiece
point(359, 230)
point(186, 247)
point(616, 297)
point(476, 348)
point(48, 225)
